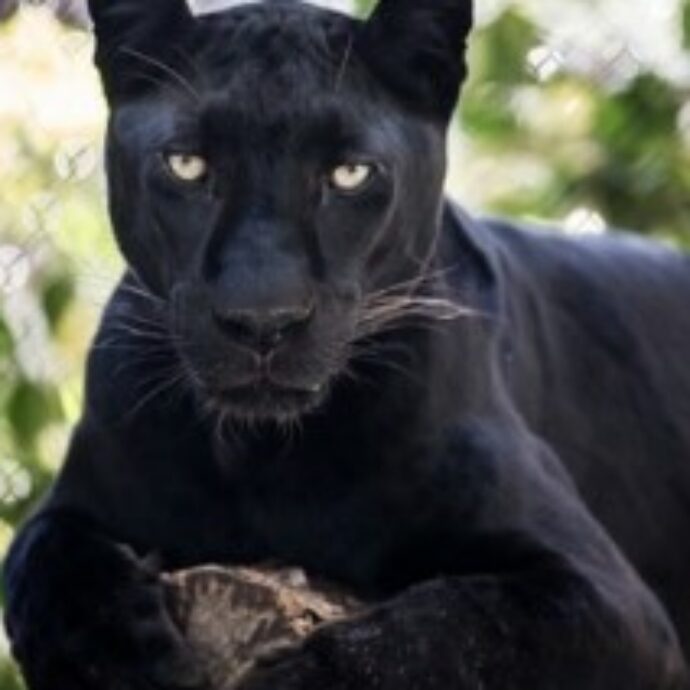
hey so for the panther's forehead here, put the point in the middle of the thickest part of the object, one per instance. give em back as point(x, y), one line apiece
point(211, 6)
point(291, 43)
point(264, 64)
point(309, 128)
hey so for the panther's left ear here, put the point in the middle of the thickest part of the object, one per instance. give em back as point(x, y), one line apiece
point(134, 39)
point(417, 48)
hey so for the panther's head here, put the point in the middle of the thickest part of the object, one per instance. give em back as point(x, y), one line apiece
point(276, 178)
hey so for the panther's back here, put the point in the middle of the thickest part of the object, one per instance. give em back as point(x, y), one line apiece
point(601, 342)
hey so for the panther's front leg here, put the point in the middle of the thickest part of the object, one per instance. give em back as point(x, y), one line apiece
point(560, 610)
point(84, 613)
point(547, 629)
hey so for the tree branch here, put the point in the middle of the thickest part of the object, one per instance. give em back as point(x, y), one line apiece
point(231, 617)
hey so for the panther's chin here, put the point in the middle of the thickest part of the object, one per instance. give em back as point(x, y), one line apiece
point(266, 402)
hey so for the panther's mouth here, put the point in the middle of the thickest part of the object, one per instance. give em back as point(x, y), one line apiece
point(265, 400)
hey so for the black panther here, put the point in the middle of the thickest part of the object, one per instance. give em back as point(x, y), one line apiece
point(316, 359)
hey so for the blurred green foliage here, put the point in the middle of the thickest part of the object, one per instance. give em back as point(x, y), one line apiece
point(620, 151)
point(536, 137)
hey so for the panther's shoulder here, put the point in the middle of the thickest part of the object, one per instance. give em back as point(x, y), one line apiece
point(548, 248)
point(533, 263)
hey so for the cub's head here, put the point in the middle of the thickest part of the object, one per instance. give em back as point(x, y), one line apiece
point(276, 172)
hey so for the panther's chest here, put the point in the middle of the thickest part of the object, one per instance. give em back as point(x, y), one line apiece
point(374, 535)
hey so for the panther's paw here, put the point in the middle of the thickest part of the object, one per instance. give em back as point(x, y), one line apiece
point(95, 638)
point(341, 656)
point(298, 670)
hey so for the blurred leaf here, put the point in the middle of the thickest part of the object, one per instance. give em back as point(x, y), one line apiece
point(58, 294)
point(498, 64)
point(30, 408)
point(642, 116)
point(9, 677)
point(364, 7)
point(504, 48)
point(686, 23)
point(485, 112)
point(6, 341)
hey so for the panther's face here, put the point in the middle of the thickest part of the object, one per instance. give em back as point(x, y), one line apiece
point(274, 174)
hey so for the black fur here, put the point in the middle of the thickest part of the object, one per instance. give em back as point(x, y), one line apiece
point(417, 49)
point(480, 429)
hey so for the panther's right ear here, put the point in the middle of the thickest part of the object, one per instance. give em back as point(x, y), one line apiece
point(135, 39)
point(417, 49)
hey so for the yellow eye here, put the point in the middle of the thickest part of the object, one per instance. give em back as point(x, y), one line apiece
point(351, 177)
point(187, 167)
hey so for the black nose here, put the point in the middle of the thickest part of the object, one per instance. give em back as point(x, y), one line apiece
point(263, 329)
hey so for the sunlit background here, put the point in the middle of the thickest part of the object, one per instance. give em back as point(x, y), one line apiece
point(577, 114)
